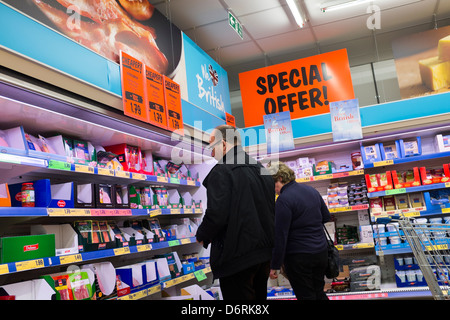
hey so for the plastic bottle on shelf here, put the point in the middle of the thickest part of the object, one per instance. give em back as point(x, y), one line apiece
point(27, 194)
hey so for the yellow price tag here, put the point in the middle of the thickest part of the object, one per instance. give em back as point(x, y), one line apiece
point(153, 290)
point(161, 179)
point(121, 251)
point(29, 265)
point(155, 212)
point(144, 247)
point(175, 211)
point(70, 258)
point(185, 241)
point(139, 176)
point(4, 269)
point(301, 180)
point(58, 212)
point(84, 169)
point(383, 163)
point(122, 174)
point(106, 172)
point(191, 182)
point(445, 210)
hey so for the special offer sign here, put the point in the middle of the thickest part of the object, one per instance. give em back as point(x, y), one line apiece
point(305, 87)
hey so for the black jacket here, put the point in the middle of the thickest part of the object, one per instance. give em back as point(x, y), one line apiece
point(239, 221)
point(300, 215)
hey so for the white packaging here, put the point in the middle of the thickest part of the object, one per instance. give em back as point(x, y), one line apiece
point(366, 234)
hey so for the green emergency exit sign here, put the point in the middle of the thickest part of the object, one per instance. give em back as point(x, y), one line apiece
point(235, 24)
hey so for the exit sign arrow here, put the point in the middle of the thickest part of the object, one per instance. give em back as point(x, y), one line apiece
point(235, 24)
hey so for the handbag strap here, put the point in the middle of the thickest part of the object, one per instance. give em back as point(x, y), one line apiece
point(330, 242)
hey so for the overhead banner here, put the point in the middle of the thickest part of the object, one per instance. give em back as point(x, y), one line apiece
point(304, 87)
point(422, 61)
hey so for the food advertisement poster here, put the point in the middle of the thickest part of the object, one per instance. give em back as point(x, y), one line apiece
point(303, 87)
point(279, 136)
point(109, 27)
point(345, 120)
point(422, 61)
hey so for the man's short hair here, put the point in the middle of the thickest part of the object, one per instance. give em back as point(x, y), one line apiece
point(228, 133)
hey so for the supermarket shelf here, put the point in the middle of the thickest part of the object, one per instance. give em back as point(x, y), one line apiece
point(406, 160)
point(349, 208)
point(200, 275)
point(13, 267)
point(428, 187)
point(342, 247)
point(62, 166)
point(92, 212)
point(331, 176)
point(383, 294)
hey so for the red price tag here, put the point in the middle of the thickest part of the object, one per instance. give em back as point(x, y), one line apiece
point(133, 87)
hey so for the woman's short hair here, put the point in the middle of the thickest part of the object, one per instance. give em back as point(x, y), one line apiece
point(284, 174)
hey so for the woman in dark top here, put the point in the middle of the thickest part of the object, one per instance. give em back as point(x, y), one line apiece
point(300, 241)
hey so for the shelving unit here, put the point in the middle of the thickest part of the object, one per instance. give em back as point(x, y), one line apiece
point(20, 168)
point(340, 153)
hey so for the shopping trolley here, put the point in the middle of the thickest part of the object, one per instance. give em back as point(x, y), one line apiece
point(429, 243)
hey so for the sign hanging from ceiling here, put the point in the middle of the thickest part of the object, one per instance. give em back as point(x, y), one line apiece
point(304, 87)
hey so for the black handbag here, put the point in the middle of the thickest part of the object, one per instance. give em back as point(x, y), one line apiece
point(332, 270)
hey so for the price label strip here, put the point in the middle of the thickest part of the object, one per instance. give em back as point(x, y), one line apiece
point(72, 258)
point(29, 265)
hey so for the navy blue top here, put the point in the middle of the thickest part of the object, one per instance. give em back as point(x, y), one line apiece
point(300, 213)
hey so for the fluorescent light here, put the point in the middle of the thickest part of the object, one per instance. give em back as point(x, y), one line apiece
point(335, 5)
point(296, 13)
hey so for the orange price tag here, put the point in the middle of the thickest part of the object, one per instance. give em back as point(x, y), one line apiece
point(173, 105)
point(155, 98)
point(133, 88)
point(230, 119)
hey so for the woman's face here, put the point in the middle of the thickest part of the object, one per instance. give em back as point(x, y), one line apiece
point(278, 186)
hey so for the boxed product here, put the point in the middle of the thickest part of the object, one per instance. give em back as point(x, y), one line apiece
point(366, 234)
point(323, 167)
point(37, 289)
point(104, 284)
point(135, 197)
point(364, 273)
point(121, 238)
point(71, 286)
point(376, 205)
point(140, 228)
point(390, 151)
point(416, 200)
point(357, 162)
point(84, 195)
point(21, 248)
point(154, 226)
point(5, 197)
point(173, 262)
point(435, 175)
point(104, 195)
point(406, 179)
point(442, 143)
point(47, 195)
point(389, 203)
point(12, 141)
point(93, 235)
point(147, 162)
point(402, 201)
point(121, 198)
point(131, 278)
point(130, 157)
point(66, 239)
point(371, 153)
point(379, 181)
point(410, 147)
point(46, 148)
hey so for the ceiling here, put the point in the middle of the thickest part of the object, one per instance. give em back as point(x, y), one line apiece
point(271, 35)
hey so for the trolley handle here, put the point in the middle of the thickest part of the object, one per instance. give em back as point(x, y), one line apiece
point(386, 220)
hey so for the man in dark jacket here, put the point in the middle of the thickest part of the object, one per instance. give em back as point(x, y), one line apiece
point(239, 218)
